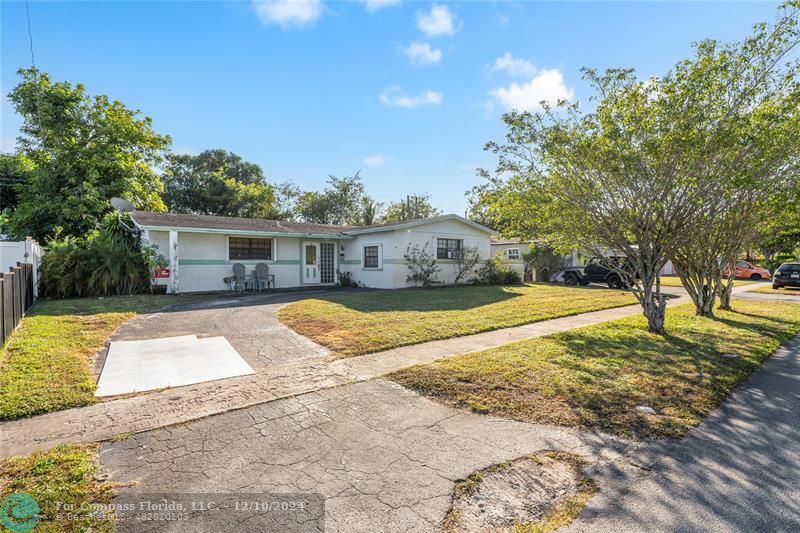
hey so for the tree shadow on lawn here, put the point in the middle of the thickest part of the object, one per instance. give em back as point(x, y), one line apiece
point(683, 376)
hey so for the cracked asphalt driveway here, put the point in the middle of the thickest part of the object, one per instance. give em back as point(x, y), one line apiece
point(382, 457)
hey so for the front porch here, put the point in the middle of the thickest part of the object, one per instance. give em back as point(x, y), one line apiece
point(203, 261)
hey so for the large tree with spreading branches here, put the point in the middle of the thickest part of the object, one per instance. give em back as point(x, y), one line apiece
point(658, 163)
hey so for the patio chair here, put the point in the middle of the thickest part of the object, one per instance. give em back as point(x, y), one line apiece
point(263, 277)
point(239, 277)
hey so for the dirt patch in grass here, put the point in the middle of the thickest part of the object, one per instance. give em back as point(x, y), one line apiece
point(358, 323)
point(60, 479)
point(46, 365)
point(536, 493)
point(597, 376)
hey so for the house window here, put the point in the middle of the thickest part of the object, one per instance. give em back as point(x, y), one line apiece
point(448, 248)
point(513, 253)
point(247, 248)
point(370, 257)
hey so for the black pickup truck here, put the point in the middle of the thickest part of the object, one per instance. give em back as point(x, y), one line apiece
point(597, 271)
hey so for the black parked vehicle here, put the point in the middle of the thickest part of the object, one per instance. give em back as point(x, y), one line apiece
point(787, 275)
point(598, 270)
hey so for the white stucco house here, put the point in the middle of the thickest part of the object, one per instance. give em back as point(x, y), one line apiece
point(202, 249)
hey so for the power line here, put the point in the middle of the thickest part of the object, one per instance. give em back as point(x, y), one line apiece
point(30, 34)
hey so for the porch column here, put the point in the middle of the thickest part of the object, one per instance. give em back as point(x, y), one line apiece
point(174, 284)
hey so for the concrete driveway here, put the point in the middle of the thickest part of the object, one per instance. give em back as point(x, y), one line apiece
point(382, 457)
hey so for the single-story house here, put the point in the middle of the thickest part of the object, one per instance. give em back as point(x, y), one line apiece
point(202, 249)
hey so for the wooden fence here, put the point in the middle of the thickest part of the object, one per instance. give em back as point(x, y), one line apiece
point(16, 296)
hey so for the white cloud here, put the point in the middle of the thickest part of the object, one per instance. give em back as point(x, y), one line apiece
point(288, 13)
point(375, 5)
point(440, 21)
point(374, 160)
point(513, 66)
point(394, 96)
point(547, 85)
point(421, 53)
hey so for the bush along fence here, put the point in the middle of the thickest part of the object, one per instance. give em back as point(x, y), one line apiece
point(16, 296)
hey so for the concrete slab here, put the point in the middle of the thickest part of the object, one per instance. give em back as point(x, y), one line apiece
point(136, 366)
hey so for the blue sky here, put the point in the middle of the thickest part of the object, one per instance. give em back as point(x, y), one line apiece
point(408, 92)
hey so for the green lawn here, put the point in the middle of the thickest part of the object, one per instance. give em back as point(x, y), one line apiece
point(596, 376)
point(44, 366)
point(61, 478)
point(363, 322)
point(786, 290)
point(675, 281)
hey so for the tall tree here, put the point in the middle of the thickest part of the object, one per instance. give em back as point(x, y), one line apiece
point(412, 207)
point(340, 203)
point(84, 150)
point(370, 211)
point(739, 125)
point(218, 182)
point(15, 172)
point(644, 173)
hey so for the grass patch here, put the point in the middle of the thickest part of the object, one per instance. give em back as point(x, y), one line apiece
point(60, 477)
point(45, 364)
point(596, 376)
point(792, 291)
point(675, 281)
point(358, 323)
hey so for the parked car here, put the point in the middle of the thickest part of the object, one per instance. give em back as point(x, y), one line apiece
point(745, 270)
point(598, 270)
point(786, 275)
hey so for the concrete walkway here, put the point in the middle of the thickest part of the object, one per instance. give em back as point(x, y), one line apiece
point(738, 471)
point(287, 364)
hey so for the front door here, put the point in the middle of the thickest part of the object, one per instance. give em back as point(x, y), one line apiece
point(311, 263)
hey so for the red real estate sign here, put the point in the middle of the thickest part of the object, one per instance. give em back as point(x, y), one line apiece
point(161, 273)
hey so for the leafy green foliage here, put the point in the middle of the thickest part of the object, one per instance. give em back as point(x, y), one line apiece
point(104, 263)
point(342, 202)
point(14, 173)
point(660, 164)
point(496, 272)
point(544, 261)
point(216, 182)
point(84, 151)
point(414, 206)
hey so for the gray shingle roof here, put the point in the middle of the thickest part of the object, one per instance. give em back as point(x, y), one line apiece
point(174, 220)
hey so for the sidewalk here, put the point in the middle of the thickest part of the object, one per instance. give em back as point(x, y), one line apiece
point(738, 471)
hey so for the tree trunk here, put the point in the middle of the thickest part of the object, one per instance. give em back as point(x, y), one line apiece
point(653, 304)
point(725, 289)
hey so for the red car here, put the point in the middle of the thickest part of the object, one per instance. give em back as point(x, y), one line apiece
point(745, 270)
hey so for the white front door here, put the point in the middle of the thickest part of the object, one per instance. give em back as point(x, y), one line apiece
point(311, 262)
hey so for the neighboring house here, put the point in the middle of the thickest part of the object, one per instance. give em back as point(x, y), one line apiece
point(511, 251)
point(27, 251)
point(202, 249)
